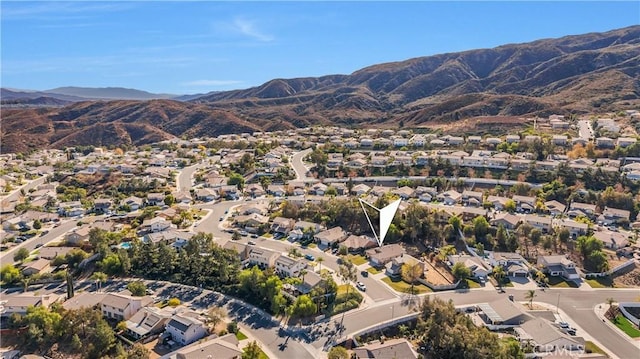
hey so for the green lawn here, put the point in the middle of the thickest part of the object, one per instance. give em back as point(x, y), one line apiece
point(604, 282)
point(240, 335)
point(403, 287)
point(558, 282)
point(312, 245)
point(357, 259)
point(343, 289)
point(591, 347)
point(472, 284)
point(267, 235)
point(626, 326)
point(374, 270)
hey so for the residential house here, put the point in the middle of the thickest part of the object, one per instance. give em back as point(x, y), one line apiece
point(614, 216)
point(360, 189)
point(394, 267)
point(304, 226)
point(310, 281)
point(102, 205)
point(206, 194)
point(479, 269)
point(331, 236)
point(38, 266)
point(577, 209)
point(70, 209)
point(318, 189)
point(513, 263)
point(558, 265)
point(289, 267)
point(122, 307)
point(155, 224)
point(404, 192)
point(524, 203)
point(224, 347)
point(612, 240)
point(282, 225)
point(450, 197)
point(262, 257)
point(507, 220)
point(392, 348)
point(472, 198)
point(358, 244)
point(230, 192)
point(168, 236)
point(155, 199)
point(512, 139)
point(251, 222)
point(79, 236)
point(575, 228)
point(20, 302)
point(185, 329)
point(380, 256)
point(542, 223)
point(503, 313)
point(497, 201)
point(240, 248)
point(626, 141)
point(147, 321)
point(276, 190)
point(555, 208)
point(255, 190)
point(261, 208)
point(559, 140)
point(545, 337)
point(133, 202)
point(605, 142)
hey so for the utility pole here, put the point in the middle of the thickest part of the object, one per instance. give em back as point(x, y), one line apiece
point(558, 305)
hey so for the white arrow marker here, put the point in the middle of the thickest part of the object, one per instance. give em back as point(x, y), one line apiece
point(386, 216)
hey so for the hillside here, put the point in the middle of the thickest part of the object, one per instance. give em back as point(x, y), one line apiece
point(574, 74)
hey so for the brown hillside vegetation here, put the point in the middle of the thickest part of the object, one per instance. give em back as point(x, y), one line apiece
point(596, 72)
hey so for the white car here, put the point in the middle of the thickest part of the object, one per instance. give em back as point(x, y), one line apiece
point(361, 286)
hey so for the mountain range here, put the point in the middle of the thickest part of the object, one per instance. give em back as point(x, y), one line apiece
point(578, 74)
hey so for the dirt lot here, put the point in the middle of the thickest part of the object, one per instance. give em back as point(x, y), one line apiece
point(439, 275)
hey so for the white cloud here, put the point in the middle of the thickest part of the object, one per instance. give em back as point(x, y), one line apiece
point(211, 83)
point(249, 28)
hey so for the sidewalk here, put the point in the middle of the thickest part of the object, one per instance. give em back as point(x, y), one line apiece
point(560, 314)
point(600, 311)
point(250, 338)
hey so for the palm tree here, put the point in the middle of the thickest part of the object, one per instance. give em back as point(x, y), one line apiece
point(610, 311)
point(99, 278)
point(348, 273)
point(25, 283)
point(531, 293)
point(499, 274)
point(320, 260)
point(303, 273)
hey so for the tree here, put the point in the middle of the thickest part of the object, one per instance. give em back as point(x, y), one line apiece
point(510, 206)
point(169, 200)
point(411, 273)
point(21, 254)
point(215, 316)
point(99, 278)
point(610, 313)
point(251, 351)
point(320, 259)
point(303, 307)
point(121, 326)
point(138, 351)
point(236, 236)
point(499, 275)
point(460, 271)
point(10, 274)
point(173, 302)
point(480, 227)
point(236, 179)
point(531, 293)
point(137, 288)
point(37, 224)
point(338, 352)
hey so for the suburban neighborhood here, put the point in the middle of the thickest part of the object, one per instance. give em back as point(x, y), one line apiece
point(257, 243)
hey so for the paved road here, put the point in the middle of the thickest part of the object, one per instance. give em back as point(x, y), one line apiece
point(585, 130)
point(578, 304)
point(298, 165)
point(30, 244)
point(375, 289)
point(15, 194)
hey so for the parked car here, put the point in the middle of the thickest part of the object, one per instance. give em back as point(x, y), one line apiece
point(252, 243)
point(244, 233)
point(309, 257)
point(364, 273)
point(361, 286)
point(254, 236)
point(38, 245)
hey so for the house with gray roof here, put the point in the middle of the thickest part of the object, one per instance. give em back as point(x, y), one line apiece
point(185, 329)
point(393, 348)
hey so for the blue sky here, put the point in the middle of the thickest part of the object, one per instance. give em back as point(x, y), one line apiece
point(201, 46)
